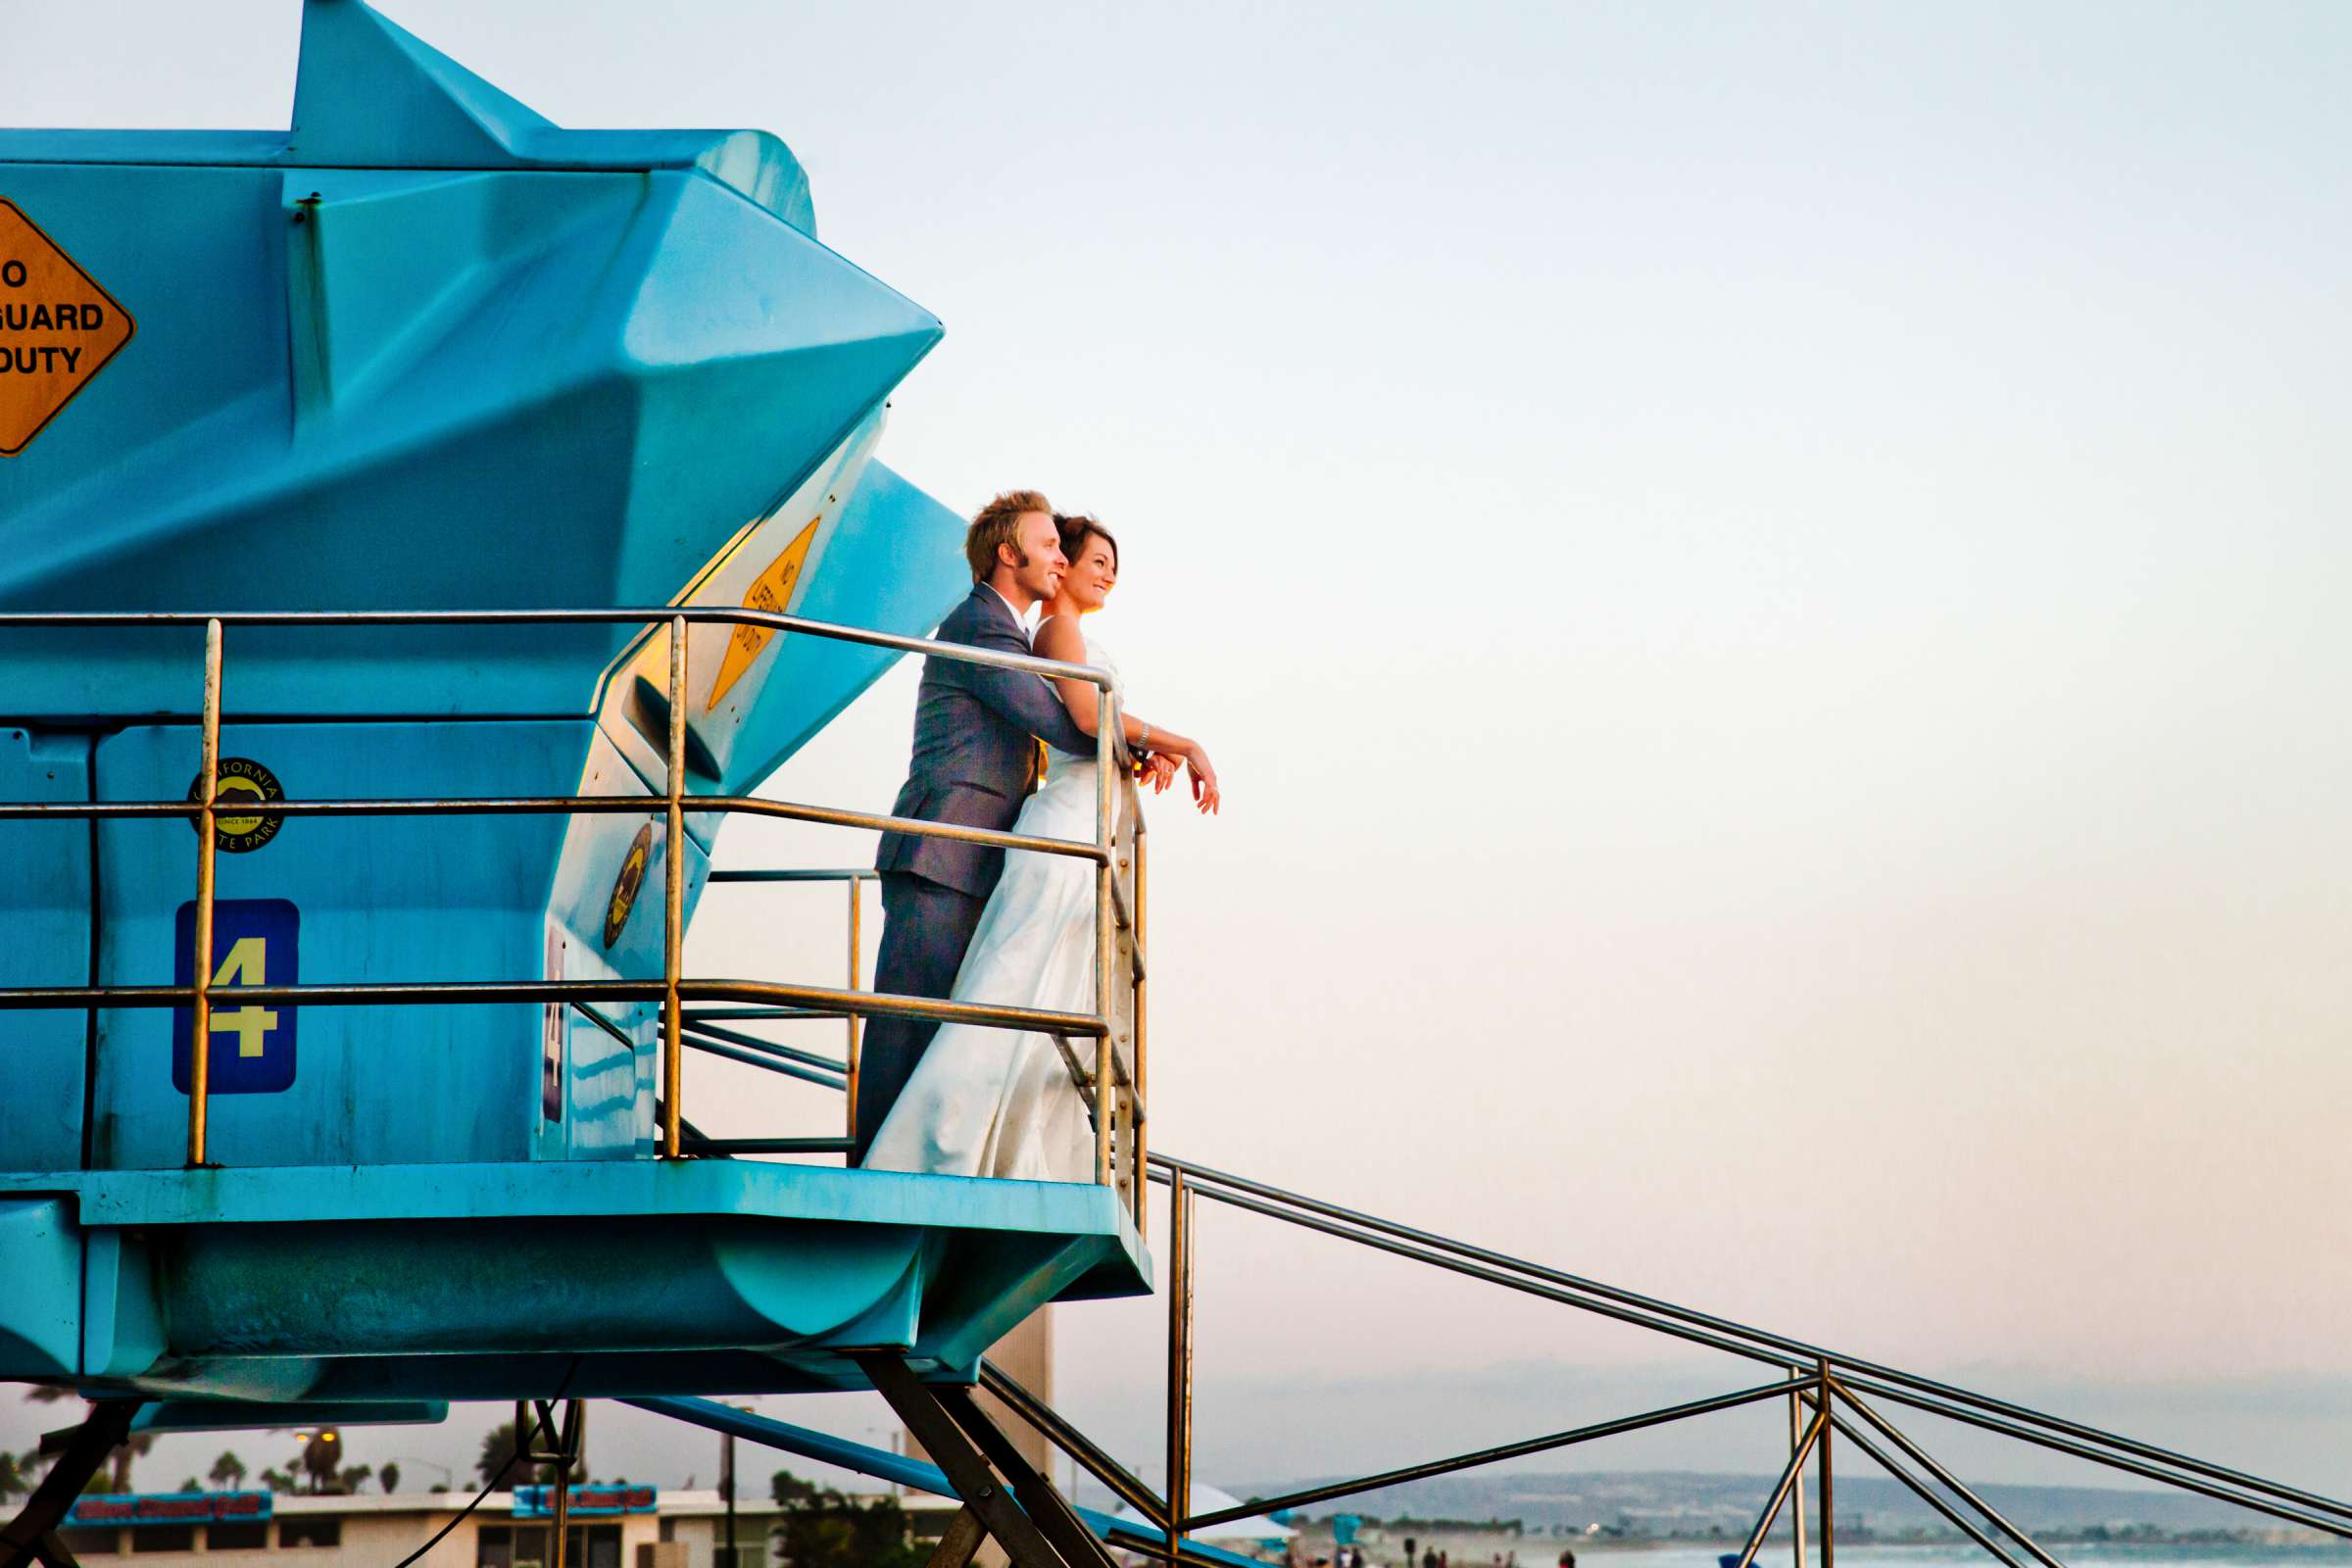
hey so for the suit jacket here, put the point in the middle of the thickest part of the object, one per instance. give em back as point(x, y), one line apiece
point(976, 732)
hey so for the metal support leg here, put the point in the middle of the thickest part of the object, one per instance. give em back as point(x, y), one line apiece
point(1180, 1357)
point(963, 1539)
point(559, 1506)
point(1780, 1491)
point(1046, 1506)
point(32, 1536)
point(1796, 1498)
point(975, 1483)
point(1829, 1505)
point(568, 1438)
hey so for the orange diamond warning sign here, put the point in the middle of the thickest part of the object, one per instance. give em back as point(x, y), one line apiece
point(771, 592)
point(56, 327)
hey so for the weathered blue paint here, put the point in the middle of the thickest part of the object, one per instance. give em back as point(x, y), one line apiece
point(497, 1281)
point(45, 913)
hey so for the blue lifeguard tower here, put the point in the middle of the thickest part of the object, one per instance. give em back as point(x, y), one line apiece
point(358, 809)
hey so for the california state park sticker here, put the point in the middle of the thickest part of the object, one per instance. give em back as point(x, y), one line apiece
point(57, 328)
point(626, 886)
point(241, 779)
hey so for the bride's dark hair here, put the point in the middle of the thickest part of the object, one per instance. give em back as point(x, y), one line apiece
point(1074, 528)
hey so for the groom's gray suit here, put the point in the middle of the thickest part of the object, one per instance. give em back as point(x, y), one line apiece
point(976, 732)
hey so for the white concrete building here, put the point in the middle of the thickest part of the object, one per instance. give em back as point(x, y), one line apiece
point(683, 1530)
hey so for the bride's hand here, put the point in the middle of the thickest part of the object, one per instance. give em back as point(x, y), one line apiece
point(1204, 780)
point(1160, 770)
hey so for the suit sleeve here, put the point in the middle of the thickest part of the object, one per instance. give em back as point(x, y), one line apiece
point(1022, 699)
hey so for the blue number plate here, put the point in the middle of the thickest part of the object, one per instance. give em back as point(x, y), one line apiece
point(256, 942)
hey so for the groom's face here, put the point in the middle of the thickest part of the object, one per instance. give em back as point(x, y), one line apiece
point(1042, 564)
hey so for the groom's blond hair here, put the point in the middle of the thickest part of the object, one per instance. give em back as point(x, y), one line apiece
point(1000, 523)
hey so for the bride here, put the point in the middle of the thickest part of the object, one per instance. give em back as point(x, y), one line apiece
point(990, 1102)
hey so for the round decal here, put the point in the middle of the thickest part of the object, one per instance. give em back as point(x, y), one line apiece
point(626, 886)
point(242, 778)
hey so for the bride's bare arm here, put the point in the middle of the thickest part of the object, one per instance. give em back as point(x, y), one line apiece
point(1058, 638)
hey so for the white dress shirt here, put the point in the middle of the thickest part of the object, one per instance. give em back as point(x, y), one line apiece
point(1026, 619)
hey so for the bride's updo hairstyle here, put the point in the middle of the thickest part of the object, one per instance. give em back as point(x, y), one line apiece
point(1074, 530)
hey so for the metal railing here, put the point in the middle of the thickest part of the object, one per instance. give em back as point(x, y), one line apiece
point(1115, 1024)
point(1825, 1390)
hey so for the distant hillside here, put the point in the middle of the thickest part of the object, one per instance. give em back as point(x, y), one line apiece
point(1671, 1502)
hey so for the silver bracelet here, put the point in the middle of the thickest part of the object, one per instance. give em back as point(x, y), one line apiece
point(1144, 740)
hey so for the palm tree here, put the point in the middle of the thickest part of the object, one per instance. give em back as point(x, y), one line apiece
point(353, 1478)
point(322, 1457)
point(227, 1471)
point(388, 1477)
point(498, 1453)
point(133, 1448)
point(13, 1483)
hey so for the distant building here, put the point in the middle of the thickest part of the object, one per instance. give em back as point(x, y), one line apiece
point(660, 1530)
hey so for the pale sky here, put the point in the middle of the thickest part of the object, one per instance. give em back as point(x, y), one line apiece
point(1764, 583)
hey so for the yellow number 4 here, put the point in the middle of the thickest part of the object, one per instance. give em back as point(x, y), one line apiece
point(246, 965)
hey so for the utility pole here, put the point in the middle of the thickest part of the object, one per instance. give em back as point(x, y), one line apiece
point(726, 1489)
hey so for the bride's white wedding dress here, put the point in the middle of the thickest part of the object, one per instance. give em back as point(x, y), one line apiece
point(993, 1102)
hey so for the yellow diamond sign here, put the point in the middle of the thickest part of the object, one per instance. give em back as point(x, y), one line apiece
point(56, 327)
point(771, 592)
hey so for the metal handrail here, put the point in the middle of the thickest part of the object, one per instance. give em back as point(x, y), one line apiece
point(1823, 1383)
point(1116, 1134)
point(693, 615)
point(560, 806)
point(1666, 1317)
point(461, 993)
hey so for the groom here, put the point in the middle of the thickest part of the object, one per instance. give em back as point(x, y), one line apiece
point(976, 730)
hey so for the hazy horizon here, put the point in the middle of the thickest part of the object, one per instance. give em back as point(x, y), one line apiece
point(1767, 588)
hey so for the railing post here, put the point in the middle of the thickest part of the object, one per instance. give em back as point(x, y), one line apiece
point(857, 917)
point(1106, 936)
point(673, 928)
point(1829, 1505)
point(1143, 1093)
point(200, 1007)
point(559, 1498)
point(1796, 1494)
point(1180, 1356)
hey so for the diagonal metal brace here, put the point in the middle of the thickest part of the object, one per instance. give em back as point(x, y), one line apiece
point(1082, 1450)
point(1921, 1457)
point(1926, 1494)
point(1780, 1490)
point(1052, 1512)
point(975, 1483)
point(960, 1541)
point(31, 1536)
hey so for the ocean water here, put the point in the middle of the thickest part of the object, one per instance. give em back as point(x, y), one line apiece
point(1541, 1552)
point(1479, 1550)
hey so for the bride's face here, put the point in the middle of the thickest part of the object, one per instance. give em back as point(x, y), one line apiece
point(1093, 573)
